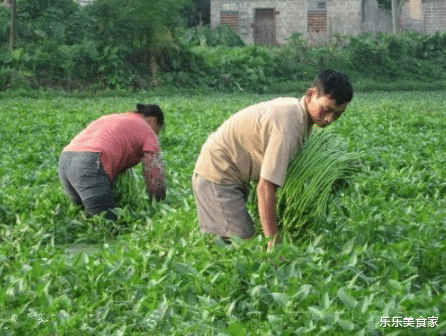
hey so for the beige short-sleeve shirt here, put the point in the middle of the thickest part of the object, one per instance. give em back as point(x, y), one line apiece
point(258, 141)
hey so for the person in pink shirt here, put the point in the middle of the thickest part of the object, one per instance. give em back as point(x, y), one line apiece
point(90, 163)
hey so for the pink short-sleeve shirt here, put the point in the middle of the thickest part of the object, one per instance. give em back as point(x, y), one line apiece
point(122, 139)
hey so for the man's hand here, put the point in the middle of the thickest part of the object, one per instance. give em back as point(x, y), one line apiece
point(275, 240)
point(266, 195)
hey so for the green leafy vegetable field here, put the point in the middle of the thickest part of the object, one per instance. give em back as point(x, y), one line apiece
point(375, 266)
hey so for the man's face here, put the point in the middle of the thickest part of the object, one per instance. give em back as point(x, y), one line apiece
point(322, 108)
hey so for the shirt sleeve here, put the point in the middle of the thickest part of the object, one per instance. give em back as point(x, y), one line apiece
point(281, 147)
point(150, 142)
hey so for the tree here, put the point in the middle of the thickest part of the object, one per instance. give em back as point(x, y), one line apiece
point(144, 27)
point(41, 21)
point(198, 13)
point(12, 5)
point(134, 23)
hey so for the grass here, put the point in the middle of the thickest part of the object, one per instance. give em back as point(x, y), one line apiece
point(380, 251)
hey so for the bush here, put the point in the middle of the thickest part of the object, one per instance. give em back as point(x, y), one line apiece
point(241, 68)
point(204, 36)
point(407, 55)
point(256, 68)
point(4, 25)
point(11, 79)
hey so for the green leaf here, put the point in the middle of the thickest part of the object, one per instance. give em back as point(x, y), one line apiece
point(316, 313)
point(326, 300)
point(347, 299)
point(346, 325)
point(303, 292)
point(366, 303)
point(394, 284)
point(259, 291)
point(348, 247)
point(280, 298)
point(231, 308)
point(237, 329)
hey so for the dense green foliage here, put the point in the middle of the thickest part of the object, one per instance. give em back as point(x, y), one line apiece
point(382, 58)
point(380, 250)
point(104, 44)
point(138, 44)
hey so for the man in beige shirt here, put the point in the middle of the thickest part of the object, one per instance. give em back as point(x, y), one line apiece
point(256, 144)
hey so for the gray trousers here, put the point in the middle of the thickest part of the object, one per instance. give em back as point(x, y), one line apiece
point(222, 209)
point(84, 180)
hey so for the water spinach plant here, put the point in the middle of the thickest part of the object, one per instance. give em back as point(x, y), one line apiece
point(378, 252)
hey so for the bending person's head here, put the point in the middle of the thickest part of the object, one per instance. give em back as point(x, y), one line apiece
point(328, 97)
point(153, 114)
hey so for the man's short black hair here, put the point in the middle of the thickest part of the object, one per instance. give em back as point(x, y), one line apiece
point(334, 84)
point(151, 110)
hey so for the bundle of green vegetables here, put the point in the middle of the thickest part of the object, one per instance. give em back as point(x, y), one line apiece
point(311, 177)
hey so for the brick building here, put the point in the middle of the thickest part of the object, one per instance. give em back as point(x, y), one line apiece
point(273, 21)
point(433, 15)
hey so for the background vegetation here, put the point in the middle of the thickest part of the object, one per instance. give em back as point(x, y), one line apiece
point(137, 45)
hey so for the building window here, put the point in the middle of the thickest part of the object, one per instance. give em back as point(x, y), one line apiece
point(322, 5)
point(317, 16)
point(230, 18)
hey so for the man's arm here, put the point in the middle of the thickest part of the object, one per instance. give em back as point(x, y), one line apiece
point(266, 195)
point(153, 172)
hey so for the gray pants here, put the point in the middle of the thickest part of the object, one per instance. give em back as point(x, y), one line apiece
point(222, 208)
point(86, 183)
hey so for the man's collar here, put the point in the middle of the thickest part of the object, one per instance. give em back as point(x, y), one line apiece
point(303, 104)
